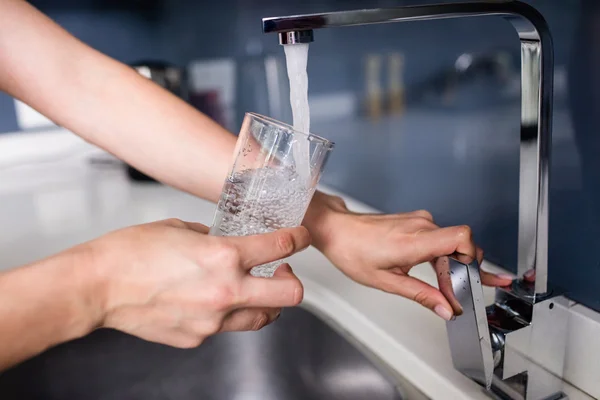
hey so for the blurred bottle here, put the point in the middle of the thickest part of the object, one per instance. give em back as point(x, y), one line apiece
point(374, 102)
point(396, 102)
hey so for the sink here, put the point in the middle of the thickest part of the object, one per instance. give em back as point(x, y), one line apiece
point(299, 357)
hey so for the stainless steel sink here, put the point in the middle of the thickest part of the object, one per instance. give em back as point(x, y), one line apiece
point(299, 357)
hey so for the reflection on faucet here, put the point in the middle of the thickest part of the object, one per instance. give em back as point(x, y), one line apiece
point(527, 179)
point(496, 67)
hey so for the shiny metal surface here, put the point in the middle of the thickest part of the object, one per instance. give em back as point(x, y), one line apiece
point(533, 337)
point(299, 357)
point(514, 348)
point(536, 101)
point(517, 373)
point(296, 37)
point(468, 333)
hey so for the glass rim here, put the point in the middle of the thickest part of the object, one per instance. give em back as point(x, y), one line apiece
point(309, 136)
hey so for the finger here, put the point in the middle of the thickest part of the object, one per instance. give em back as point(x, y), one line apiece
point(275, 292)
point(441, 265)
point(259, 249)
point(417, 290)
point(419, 224)
point(529, 276)
point(428, 245)
point(490, 279)
point(284, 271)
point(420, 214)
point(250, 319)
point(479, 253)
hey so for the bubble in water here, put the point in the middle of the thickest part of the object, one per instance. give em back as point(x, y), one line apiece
point(261, 201)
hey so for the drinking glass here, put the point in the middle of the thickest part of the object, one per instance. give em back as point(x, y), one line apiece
point(272, 180)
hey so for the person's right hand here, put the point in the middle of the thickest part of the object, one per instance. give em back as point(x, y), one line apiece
point(170, 282)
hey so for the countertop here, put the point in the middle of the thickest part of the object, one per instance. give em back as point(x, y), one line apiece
point(53, 199)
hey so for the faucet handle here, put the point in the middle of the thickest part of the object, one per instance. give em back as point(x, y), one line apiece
point(468, 333)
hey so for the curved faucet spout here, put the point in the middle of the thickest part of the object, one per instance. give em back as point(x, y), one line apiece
point(505, 347)
point(536, 102)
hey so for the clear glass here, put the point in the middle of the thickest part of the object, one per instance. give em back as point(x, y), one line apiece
point(273, 178)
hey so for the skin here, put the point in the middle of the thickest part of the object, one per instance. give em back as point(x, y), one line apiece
point(169, 281)
point(166, 282)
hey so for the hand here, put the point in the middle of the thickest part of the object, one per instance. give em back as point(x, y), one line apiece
point(170, 282)
point(380, 250)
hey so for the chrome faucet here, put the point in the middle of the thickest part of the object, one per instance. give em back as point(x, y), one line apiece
point(514, 348)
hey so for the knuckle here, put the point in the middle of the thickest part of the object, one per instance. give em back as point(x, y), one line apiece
point(422, 224)
point(223, 298)
point(424, 214)
point(427, 224)
point(228, 255)
point(260, 321)
point(338, 200)
point(196, 341)
point(464, 231)
point(175, 222)
point(420, 297)
point(418, 232)
point(304, 238)
point(213, 326)
point(189, 342)
point(204, 327)
point(338, 203)
point(285, 242)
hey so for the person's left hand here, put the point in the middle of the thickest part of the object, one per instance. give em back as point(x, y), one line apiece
point(379, 250)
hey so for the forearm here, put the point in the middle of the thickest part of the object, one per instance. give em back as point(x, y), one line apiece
point(42, 305)
point(110, 104)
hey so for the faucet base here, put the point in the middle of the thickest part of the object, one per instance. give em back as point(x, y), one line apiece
point(515, 348)
point(513, 389)
point(529, 345)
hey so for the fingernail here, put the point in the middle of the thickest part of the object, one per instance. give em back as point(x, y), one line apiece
point(506, 276)
point(529, 273)
point(457, 312)
point(443, 312)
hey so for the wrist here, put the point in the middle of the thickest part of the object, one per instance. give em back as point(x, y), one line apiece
point(80, 285)
point(42, 305)
point(322, 216)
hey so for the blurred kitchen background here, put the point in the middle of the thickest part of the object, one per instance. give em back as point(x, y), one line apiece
point(424, 114)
